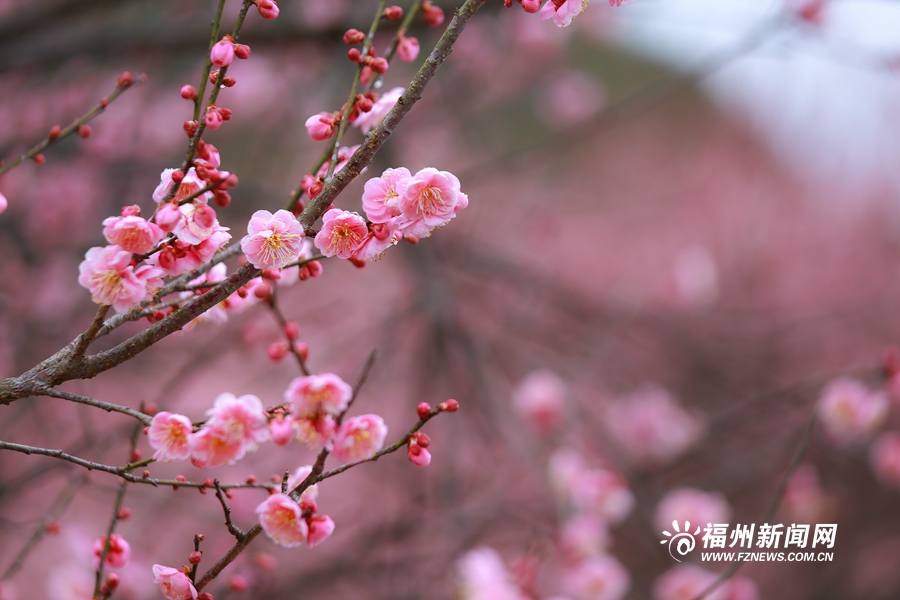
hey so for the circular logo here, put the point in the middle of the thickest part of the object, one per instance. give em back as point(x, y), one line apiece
point(682, 541)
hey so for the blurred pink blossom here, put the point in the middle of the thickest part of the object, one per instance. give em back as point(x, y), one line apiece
point(234, 426)
point(583, 535)
point(320, 528)
point(804, 501)
point(686, 582)
point(563, 13)
point(692, 506)
point(372, 119)
point(359, 438)
point(317, 394)
point(540, 398)
point(116, 556)
point(849, 410)
point(599, 577)
point(884, 456)
point(652, 427)
point(483, 576)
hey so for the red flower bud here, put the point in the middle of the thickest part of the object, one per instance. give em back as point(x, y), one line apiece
point(393, 13)
point(423, 410)
point(188, 92)
point(354, 36)
point(125, 79)
point(54, 132)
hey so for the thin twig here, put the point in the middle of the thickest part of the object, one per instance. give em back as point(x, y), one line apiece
point(107, 406)
point(68, 131)
point(85, 339)
point(232, 528)
point(282, 322)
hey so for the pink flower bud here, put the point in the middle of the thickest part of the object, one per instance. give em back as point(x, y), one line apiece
point(242, 51)
point(205, 596)
point(238, 583)
point(423, 410)
point(407, 48)
point(354, 36)
point(267, 9)
point(278, 350)
point(195, 557)
point(380, 65)
point(291, 330)
point(418, 456)
point(320, 528)
point(320, 126)
point(531, 6)
point(84, 131)
point(167, 217)
point(125, 79)
point(433, 15)
point(222, 53)
point(112, 582)
point(354, 55)
point(229, 81)
point(54, 132)
point(393, 13)
point(213, 118)
point(204, 215)
point(188, 92)
point(221, 198)
point(3, 203)
point(450, 405)
point(124, 513)
point(190, 127)
point(226, 113)
point(282, 430)
point(422, 439)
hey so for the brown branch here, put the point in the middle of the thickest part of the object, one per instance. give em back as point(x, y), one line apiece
point(232, 528)
point(68, 131)
point(107, 406)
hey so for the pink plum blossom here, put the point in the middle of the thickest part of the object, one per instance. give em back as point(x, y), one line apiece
point(381, 236)
point(344, 154)
point(272, 241)
point(198, 222)
point(320, 528)
point(381, 198)
point(342, 233)
point(600, 490)
point(315, 432)
point(169, 434)
point(418, 455)
point(692, 506)
point(652, 427)
point(174, 584)
point(564, 13)
point(190, 185)
point(113, 280)
point(222, 53)
point(167, 217)
point(884, 456)
point(599, 577)
point(359, 438)
point(321, 126)
point(407, 49)
point(849, 410)
point(372, 119)
point(4, 203)
point(541, 399)
point(583, 535)
point(132, 233)
point(318, 394)
point(282, 430)
point(300, 474)
point(116, 556)
point(281, 519)
point(234, 427)
point(429, 199)
point(483, 576)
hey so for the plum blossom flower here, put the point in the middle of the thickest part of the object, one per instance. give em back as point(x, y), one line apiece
point(281, 429)
point(430, 199)
point(169, 434)
point(652, 427)
point(381, 198)
point(359, 438)
point(804, 501)
point(281, 519)
point(884, 456)
point(198, 222)
point(234, 427)
point(315, 432)
point(407, 49)
point(372, 119)
point(540, 398)
point(849, 411)
point(310, 493)
point(599, 577)
point(116, 556)
point(132, 233)
point(4, 203)
point(586, 534)
point(113, 280)
point(189, 185)
point(318, 394)
point(174, 584)
point(381, 236)
point(483, 576)
point(562, 12)
point(342, 233)
point(692, 505)
point(320, 528)
point(272, 241)
point(600, 490)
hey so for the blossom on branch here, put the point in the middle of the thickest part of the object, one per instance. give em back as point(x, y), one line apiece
point(273, 241)
point(281, 519)
point(174, 584)
point(109, 273)
point(169, 434)
point(359, 438)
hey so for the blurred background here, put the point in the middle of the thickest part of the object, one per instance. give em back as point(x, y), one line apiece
point(683, 215)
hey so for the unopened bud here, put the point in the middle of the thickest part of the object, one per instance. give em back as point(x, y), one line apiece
point(423, 410)
point(54, 132)
point(125, 79)
point(123, 514)
point(354, 36)
point(354, 55)
point(84, 131)
point(393, 13)
point(195, 557)
point(188, 92)
point(112, 580)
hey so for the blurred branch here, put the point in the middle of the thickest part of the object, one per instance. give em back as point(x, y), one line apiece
point(51, 139)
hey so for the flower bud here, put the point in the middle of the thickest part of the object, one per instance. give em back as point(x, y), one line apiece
point(84, 131)
point(393, 13)
point(380, 65)
point(125, 79)
point(54, 132)
point(222, 53)
point(423, 410)
point(354, 55)
point(188, 92)
point(407, 48)
point(195, 557)
point(242, 51)
point(267, 9)
point(277, 350)
point(354, 36)
point(433, 15)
